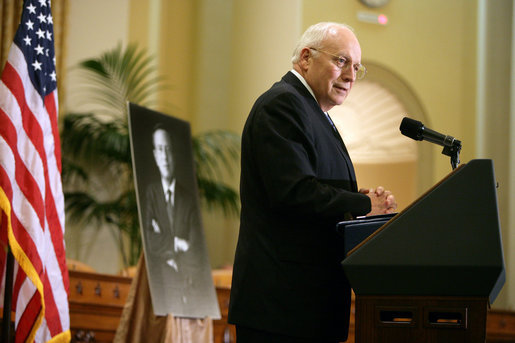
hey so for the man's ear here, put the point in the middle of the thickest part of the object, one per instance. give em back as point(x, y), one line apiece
point(305, 58)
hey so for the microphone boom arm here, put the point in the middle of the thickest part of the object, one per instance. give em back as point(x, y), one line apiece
point(454, 152)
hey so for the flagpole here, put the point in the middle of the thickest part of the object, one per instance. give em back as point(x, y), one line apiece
point(8, 297)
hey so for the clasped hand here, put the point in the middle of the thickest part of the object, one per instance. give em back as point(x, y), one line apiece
point(383, 201)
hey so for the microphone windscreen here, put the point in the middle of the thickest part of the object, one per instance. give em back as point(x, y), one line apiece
point(412, 128)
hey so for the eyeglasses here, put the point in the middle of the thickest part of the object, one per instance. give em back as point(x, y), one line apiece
point(343, 64)
point(161, 148)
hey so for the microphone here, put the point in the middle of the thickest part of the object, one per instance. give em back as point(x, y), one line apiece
point(417, 131)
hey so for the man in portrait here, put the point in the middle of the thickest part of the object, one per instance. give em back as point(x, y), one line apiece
point(176, 260)
point(165, 240)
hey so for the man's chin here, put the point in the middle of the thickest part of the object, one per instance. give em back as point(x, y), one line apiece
point(333, 101)
point(165, 174)
point(339, 100)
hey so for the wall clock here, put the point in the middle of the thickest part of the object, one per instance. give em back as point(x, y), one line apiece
point(374, 3)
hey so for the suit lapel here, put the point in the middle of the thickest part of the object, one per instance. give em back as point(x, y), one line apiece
point(336, 134)
point(338, 141)
point(340, 144)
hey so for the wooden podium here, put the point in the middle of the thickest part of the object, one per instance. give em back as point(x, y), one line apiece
point(429, 273)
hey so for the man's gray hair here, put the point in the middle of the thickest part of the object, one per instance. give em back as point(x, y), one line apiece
point(314, 36)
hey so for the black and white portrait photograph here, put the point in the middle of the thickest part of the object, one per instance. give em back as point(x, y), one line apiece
point(178, 268)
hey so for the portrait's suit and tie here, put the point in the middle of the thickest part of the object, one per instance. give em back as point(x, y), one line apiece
point(166, 219)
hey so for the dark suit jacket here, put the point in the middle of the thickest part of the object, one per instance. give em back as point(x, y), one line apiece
point(161, 243)
point(297, 182)
point(170, 288)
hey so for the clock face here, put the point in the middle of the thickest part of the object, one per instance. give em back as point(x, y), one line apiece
point(374, 3)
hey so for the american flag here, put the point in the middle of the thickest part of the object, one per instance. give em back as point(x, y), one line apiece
point(31, 196)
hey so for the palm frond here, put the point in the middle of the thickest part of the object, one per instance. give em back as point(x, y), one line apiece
point(87, 137)
point(72, 172)
point(219, 195)
point(82, 208)
point(214, 151)
point(123, 75)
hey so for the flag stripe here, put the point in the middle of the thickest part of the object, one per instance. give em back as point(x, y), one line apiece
point(25, 263)
point(29, 216)
point(54, 326)
point(32, 311)
point(24, 178)
point(51, 106)
point(3, 257)
point(19, 278)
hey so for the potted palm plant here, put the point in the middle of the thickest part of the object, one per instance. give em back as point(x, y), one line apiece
point(95, 145)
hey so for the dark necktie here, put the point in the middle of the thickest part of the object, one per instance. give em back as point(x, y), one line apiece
point(169, 207)
point(331, 121)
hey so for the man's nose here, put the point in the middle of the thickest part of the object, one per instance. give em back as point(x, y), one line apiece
point(348, 74)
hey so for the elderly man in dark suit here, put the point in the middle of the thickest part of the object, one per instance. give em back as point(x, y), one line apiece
point(297, 182)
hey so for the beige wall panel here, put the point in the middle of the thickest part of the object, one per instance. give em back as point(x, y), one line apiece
point(94, 26)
